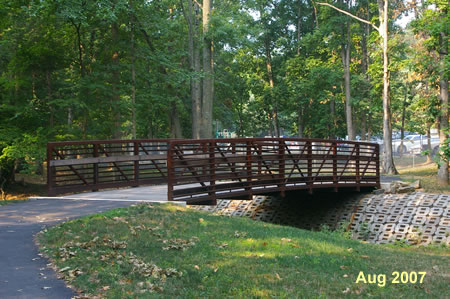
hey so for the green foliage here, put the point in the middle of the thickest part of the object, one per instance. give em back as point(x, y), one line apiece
point(6, 170)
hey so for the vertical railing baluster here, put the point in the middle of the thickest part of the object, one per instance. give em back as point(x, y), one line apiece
point(358, 179)
point(310, 166)
point(281, 167)
point(249, 169)
point(212, 173)
point(233, 152)
point(136, 163)
point(95, 179)
point(170, 171)
point(49, 170)
point(335, 181)
point(260, 154)
point(377, 163)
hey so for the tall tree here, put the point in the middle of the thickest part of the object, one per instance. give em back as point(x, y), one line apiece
point(443, 91)
point(208, 72)
point(433, 23)
point(388, 159)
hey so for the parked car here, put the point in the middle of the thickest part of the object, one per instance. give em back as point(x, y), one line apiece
point(408, 142)
point(419, 148)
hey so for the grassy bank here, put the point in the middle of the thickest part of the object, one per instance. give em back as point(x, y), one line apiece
point(427, 174)
point(171, 251)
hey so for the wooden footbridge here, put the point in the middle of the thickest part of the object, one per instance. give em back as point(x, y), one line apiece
point(201, 171)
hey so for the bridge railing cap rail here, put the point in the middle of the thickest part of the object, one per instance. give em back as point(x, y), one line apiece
point(231, 140)
point(220, 140)
point(95, 141)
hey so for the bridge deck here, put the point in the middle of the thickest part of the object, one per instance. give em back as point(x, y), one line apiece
point(201, 171)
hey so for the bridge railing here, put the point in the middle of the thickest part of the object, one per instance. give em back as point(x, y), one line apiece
point(74, 166)
point(201, 171)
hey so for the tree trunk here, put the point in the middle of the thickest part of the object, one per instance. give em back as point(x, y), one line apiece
point(274, 101)
point(402, 129)
point(82, 95)
point(365, 69)
point(315, 16)
point(345, 53)
point(150, 130)
point(333, 118)
point(388, 166)
point(363, 125)
point(208, 71)
point(133, 76)
point(443, 88)
point(195, 68)
point(50, 98)
point(299, 25)
point(69, 117)
point(175, 125)
point(429, 149)
point(115, 81)
point(300, 122)
point(33, 86)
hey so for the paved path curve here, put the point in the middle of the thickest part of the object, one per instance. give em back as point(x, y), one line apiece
point(24, 274)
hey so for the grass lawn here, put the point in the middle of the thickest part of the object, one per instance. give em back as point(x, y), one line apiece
point(174, 252)
point(427, 174)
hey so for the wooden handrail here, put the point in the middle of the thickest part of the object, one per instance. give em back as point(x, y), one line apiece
point(204, 170)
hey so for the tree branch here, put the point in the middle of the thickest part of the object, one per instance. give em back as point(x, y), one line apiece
point(199, 5)
point(349, 14)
